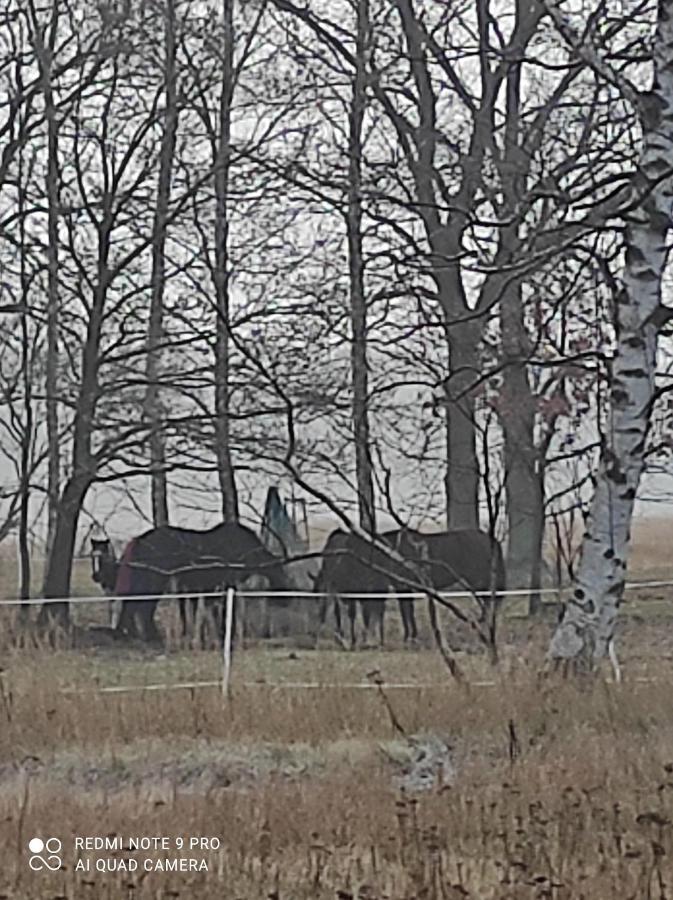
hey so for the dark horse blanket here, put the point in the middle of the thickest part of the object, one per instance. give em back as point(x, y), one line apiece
point(198, 562)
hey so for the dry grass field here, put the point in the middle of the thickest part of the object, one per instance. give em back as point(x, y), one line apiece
point(514, 787)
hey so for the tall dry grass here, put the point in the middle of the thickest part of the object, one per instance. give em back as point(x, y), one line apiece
point(560, 790)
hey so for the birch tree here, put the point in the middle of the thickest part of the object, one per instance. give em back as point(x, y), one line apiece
point(588, 626)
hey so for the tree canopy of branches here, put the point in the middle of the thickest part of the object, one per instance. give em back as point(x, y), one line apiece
point(371, 247)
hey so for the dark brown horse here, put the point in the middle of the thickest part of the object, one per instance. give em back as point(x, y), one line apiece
point(351, 565)
point(460, 560)
point(196, 562)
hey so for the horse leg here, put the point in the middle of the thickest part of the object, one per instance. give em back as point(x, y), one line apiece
point(266, 619)
point(373, 612)
point(147, 627)
point(182, 611)
point(186, 609)
point(336, 604)
point(127, 623)
point(197, 624)
point(210, 621)
point(412, 621)
point(116, 607)
point(408, 617)
point(368, 613)
point(352, 613)
point(322, 612)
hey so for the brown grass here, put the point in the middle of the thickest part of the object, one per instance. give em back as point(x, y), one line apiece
point(561, 790)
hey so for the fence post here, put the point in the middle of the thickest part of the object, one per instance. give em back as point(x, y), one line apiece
point(226, 644)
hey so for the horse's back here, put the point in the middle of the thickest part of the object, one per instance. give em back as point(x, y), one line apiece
point(468, 555)
point(226, 540)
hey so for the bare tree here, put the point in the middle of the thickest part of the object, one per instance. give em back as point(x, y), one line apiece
point(358, 301)
point(44, 36)
point(152, 405)
point(104, 183)
point(221, 273)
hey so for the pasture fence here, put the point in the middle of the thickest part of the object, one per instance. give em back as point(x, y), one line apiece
point(229, 597)
point(244, 594)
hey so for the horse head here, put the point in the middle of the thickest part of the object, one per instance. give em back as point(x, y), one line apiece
point(418, 545)
point(103, 563)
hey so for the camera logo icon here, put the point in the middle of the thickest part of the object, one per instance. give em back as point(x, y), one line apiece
point(45, 854)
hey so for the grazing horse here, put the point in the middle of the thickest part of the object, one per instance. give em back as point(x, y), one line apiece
point(469, 559)
point(351, 564)
point(198, 562)
point(104, 569)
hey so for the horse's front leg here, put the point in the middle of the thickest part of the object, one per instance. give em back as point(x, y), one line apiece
point(207, 626)
point(339, 634)
point(182, 611)
point(408, 617)
point(115, 611)
point(352, 615)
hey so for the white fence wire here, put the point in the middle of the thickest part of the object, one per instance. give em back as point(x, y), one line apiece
point(417, 595)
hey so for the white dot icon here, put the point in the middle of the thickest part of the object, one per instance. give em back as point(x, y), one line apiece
point(36, 845)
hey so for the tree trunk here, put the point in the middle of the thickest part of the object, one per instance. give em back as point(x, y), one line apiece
point(588, 626)
point(523, 482)
point(27, 429)
point(446, 251)
point(59, 564)
point(59, 561)
point(221, 275)
point(24, 473)
point(159, 486)
point(462, 472)
point(45, 53)
point(358, 303)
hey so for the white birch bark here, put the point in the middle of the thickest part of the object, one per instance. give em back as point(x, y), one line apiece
point(587, 630)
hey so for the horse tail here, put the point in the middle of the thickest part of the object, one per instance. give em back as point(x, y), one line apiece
point(124, 580)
